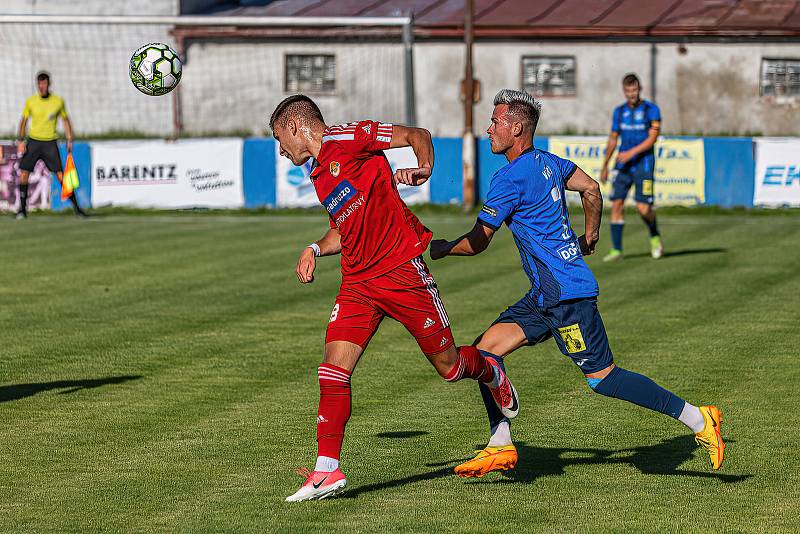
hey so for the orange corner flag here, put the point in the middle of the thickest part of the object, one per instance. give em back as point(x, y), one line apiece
point(70, 182)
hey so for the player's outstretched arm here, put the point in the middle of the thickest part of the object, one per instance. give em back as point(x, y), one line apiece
point(330, 244)
point(419, 139)
point(592, 200)
point(473, 242)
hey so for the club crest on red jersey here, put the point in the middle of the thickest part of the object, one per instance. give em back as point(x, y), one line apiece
point(334, 168)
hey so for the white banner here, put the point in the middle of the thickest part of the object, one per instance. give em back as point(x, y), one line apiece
point(777, 172)
point(295, 190)
point(161, 174)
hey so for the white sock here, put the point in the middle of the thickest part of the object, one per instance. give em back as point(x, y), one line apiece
point(501, 436)
point(692, 417)
point(326, 464)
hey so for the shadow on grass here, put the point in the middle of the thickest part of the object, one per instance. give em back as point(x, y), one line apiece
point(535, 462)
point(683, 252)
point(20, 391)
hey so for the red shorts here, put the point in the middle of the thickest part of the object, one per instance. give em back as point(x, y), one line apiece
point(407, 294)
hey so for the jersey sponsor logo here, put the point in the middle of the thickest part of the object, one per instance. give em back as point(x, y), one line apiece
point(334, 168)
point(339, 197)
point(568, 252)
point(488, 210)
point(573, 338)
point(349, 210)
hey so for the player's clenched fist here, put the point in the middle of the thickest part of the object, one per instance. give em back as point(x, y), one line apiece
point(306, 265)
point(416, 176)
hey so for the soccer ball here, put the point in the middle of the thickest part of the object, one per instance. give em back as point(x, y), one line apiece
point(155, 69)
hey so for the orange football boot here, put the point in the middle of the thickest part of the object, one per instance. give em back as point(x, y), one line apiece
point(488, 460)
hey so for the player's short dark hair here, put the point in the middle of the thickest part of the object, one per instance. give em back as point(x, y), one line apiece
point(631, 79)
point(522, 106)
point(295, 106)
point(42, 75)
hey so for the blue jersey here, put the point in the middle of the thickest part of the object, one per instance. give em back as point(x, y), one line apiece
point(633, 126)
point(528, 195)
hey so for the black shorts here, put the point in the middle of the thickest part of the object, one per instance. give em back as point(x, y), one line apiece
point(46, 151)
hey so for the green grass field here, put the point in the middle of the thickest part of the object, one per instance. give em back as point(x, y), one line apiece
point(158, 373)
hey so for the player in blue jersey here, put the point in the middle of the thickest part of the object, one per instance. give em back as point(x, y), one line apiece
point(636, 124)
point(528, 196)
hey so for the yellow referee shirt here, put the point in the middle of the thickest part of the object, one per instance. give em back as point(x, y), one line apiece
point(44, 113)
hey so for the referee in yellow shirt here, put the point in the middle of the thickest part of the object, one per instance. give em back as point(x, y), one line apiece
point(43, 109)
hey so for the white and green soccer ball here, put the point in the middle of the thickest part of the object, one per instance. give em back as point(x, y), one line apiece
point(155, 69)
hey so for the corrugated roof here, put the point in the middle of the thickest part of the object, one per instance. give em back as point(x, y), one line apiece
point(561, 18)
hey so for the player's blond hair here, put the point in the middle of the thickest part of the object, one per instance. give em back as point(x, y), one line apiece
point(521, 106)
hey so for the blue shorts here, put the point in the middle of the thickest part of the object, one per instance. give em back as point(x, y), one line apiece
point(574, 324)
point(638, 176)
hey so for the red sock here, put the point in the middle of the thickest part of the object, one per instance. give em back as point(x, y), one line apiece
point(334, 409)
point(471, 364)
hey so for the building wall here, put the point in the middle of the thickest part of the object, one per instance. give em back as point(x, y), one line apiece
point(714, 89)
point(234, 87)
point(711, 89)
point(230, 87)
point(91, 7)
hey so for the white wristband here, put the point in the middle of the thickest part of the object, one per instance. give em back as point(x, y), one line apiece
point(315, 248)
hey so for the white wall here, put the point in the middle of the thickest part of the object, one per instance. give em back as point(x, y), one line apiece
point(236, 86)
point(712, 89)
point(89, 7)
point(715, 89)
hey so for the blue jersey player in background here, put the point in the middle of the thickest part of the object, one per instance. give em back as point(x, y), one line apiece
point(636, 124)
point(528, 196)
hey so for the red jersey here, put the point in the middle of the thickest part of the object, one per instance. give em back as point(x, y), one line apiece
point(354, 183)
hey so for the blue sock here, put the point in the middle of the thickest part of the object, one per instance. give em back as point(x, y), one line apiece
point(495, 415)
point(638, 389)
point(616, 234)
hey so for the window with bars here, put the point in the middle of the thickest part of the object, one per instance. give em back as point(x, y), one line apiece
point(310, 73)
point(780, 77)
point(549, 75)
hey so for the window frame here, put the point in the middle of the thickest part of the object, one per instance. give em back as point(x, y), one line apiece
point(776, 97)
point(574, 59)
point(286, 88)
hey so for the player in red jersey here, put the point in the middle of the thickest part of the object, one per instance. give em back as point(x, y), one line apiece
point(383, 274)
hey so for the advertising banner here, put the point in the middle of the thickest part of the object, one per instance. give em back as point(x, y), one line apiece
point(777, 172)
point(161, 174)
point(295, 190)
point(679, 174)
point(38, 181)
